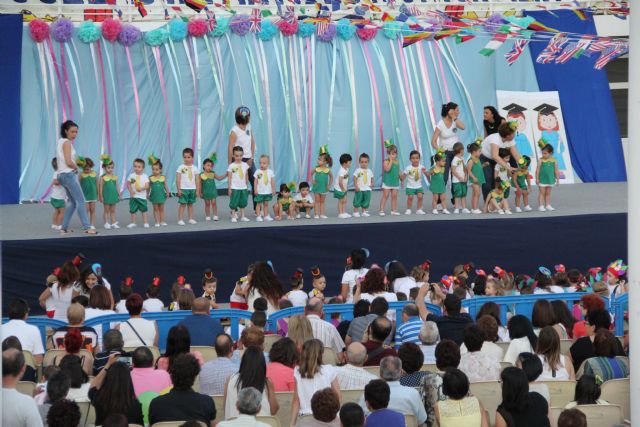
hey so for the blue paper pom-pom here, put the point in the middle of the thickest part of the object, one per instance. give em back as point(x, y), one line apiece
point(392, 29)
point(89, 32)
point(306, 29)
point(177, 30)
point(156, 37)
point(267, 30)
point(222, 25)
point(346, 31)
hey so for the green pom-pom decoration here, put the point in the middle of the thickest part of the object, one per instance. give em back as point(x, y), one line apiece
point(89, 32)
point(156, 37)
point(221, 28)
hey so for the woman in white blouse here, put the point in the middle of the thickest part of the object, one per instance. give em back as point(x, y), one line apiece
point(446, 133)
point(555, 366)
point(523, 340)
point(372, 287)
point(505, 138)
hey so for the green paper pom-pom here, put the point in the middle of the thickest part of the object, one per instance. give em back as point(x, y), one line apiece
point(156, 37)
point(89, 32)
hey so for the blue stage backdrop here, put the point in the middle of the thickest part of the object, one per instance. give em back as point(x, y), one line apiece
point(589, 116)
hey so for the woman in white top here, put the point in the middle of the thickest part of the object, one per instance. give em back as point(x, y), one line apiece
point(310, 376)
point(242, 136)
point(58, 297)
point(523, 340)
point(446, 134)
point(68, 177)
point(372, 287)
point(505, 138)
point(263, 283)
point(350, 277)
point(399, 278)
point(555, 366)
point(137, 331)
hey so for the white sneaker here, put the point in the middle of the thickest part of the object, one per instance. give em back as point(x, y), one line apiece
point(466, 211)
point(307, 216)
point(366, 214)
point(446, 212)
point(157, 224)
point(420, 212)
point(550, 208)
point(323, 217)
point(381, 213)
point(54, 227)
point(207, 218)
point(456, 211)
point(298, 216)
point(408, 212)
point(500, 212)
point(146, 225)
point(518, 210)
point(193, 221)
point(234, 219)
point(181, 222)
point(115, 225)
point(347, 215)
point(316, 217)
point(245, 219)
point(476, 211)
point(435, 212)
point(268, 218)
point(395, 213)
point(542, 208)
point(164, 224)
point(215, 217)
point(528, 208)
point(508, 212)
point(259, 218)
point(91, 227)
point(356, 214)
point(343, 216)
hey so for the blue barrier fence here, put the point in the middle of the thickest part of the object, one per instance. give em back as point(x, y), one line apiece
point(520, 304)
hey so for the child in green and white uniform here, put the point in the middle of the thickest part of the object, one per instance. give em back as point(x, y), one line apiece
point(322, 180)
point(58, 198)
point(108, 192)
point(437, 184)
point(475, 174)
point(412, 175)
point(496, 201)
point(188, 186)
point(342, 184)
point(265, 187)
point(390, 179)
point(158, 190)
point(285, 204)
point(363, 182)
point(502, 172)
point(208, 188)
point(138, 186)
point(547, 175)
point(238, 178)
point(521, 181)
point(89, 185)
point(459, 179)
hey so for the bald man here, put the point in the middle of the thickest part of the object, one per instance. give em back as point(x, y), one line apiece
point(202, 328)
point(353, 375)
point(323, 330)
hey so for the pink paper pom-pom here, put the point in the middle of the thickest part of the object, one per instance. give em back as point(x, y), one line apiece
point(288, 28)
point(111, 29)
point(367, 33)
point(198, 27)
point(39, 30)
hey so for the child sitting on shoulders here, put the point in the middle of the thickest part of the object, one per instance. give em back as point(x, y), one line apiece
point(125, 290)
point(153, 303)
point(319, 284)
point(58, 198)
point(209, 285)
point(296, 295)
point(303, 200)
point(285, 204)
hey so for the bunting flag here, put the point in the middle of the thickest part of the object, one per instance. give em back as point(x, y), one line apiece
point(211, 19)
point(553, 48)
point(256, 19)
point(386, 17)
point(536, 26)
point(139, 4)
point(583, 45)
point(498, 39)
point(410, 39)
point(372, 6)
point(598, 46)
point(196, 5)
point(610, 53)
point(515, 52)
point(322, 27)
point(573, 49)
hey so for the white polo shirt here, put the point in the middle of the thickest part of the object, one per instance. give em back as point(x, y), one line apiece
point(495, 139)
point(28, 335)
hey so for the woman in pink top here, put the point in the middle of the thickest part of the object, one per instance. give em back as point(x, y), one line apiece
point(178, 342)
point(283, 357)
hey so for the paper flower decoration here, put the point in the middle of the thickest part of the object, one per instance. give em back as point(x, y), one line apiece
point(177, 30)
point(306, 29)
point(111, 29)
point(288, 28)
point(367, 33)
point(129, 35)
point(267, 30)
point(39, 30)
point(240, 24)
point(392, 29)
point(345, 30)
point(156, 37)
point(328, 34)
point(62, 30)
point(198, 27)
point(89, 32)
point(222, 25)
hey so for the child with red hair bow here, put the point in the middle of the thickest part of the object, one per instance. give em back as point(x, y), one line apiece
point(153, 303)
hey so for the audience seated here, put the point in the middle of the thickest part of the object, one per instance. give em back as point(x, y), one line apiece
point(523, 339)
point(299, 330)
point(353, 376)
point(325, 331)
point(492, 309)
point(216, 372)
point(543, 315)
point(75, 314)
point(376, 396)
point(17, 326)
point(57, 388)
point(555, 366)
point(412, 360)
point(583, 348)
point(251, 336)
point(588, 303)
point(144, 376)
point(476, 365)
point(373, 286)
point(360, 309)
point(71, 365)
point(605, 365)
point(520, 407)
point(429, 337)
point(18, 410)
point(587, 393)
point(100, 301)
point(178, 342)
point(378, 307)
point(112, 343)
point(572, 418)
point(30, 373)
point(248, 405)
point(374, 338)
point(447, 356)
point(137, 331)
point(488, 328)
point(117, 420)
point(64, 413)
point(459, 409)
point(532, 367)
point(325, 405)
point(451, 325)
point(352, 415)
point(283, 358)
point(203, 330)
point(73, 342)
point(409, 330)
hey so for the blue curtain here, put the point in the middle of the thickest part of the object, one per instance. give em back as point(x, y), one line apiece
point(10, 46)
point(589, 116)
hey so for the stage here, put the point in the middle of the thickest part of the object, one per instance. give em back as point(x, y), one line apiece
point(586, 230)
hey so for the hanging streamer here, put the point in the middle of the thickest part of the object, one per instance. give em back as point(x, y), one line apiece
point(443, 96)
point(374, 85)
point(444, 76)
point(195, 96)
point(235, 66)
point(352, 87)
point(65, 76)
point(135, 88)
point(304, 104)
point(332, 88)
point(284, 83)
point(105, 108)
point(113, 84)
point(75, 78)
point(403, 84)
point(419, 68)
point(310, 109)
point(177, 77)
point(265, 75)
point(297, 93)
point(387, 83)
point(98, 80)
point(216, 80)
point(59, 78)
point(125, 123)
point(158, 60)
point(196, 67)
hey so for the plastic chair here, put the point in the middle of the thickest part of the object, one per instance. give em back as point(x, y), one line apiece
point(602, 415)
point(26, 387)
point(218, 400)
point(329, 357)
point(555, 414)
point(617, 392)
point(87, 414)
point(154, 350)
point(269, 340)
point(271, 420)
point(490, 394)
point(56, 355)
point(208, 353)
point(285, 398)
point(351, 395)
point(373, 370)
point(560, 392)
point(504, 365)
point(430, 367)
point(410, 420)
point(503, 345)
point(29, 360)
point(145, 400)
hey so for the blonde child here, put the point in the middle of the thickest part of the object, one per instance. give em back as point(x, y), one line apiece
point(475, 175)
point(391, 179)
point(521, 181)
point(138, 186)
point(319, 284)
point(264, 187)
point(547, 175)
point(437, 184)
point(89, 185)
point(285, 204)
point(238, 178)
point(188, 186)
point(208, 189)
point(108, 193)
point(303, 201)
point(296, 295)
point(322, 180)
point(459, 179)
point(363, 182)
point(58, 198)
point(495, 200)
point(412, 175)
point(342, 184)
point(153, 304)
point(158, 190)
point(209, 286)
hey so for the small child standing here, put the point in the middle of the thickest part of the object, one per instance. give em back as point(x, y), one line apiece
point(208, 189)
point(188, 185)
point(322, 180)
point(238, 175)
point(459, 179)
point(125, 290)
point(138, 186)
point(363, 182)
point(390, 179)
point(413, 185)
point(496, 201)
point(153, 303)
point(296, 295)
point(58, 198)
point(475, 174)
point(437, 185)
point(547, 175)
point(521, 181)
point(264, 187)
point(502, 172)
point(108, 192)
point(303, 200)
point(285, 204)
point(89, 185)
point(158, 190)
point(209, 285)
point(342, 184)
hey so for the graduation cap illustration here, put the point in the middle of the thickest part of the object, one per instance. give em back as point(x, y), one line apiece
point(545, 109)
point(514, 108)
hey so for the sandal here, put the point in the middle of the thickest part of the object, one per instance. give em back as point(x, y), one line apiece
point(91, 232)
point(66, 232)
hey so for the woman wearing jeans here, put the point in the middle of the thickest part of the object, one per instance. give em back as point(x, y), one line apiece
point(446, 133)
point(68, 177)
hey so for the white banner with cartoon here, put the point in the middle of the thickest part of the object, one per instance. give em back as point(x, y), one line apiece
point(539, 117)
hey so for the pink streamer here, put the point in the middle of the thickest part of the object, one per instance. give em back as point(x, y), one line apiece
point(156, 52)
point(427, 86)
point(66, 79)
point(195, 99)
point(377, 99)
point(46, 193)
point(104, 98)
point(135, 89)
point(55, 66)
point(310, 110)
point(444, 78)
point(405, 75)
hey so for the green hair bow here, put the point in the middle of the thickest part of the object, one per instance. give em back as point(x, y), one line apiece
point(213, 157)
point(388, 143)
point(105, 159)
point(324, 149)
point(153, 159)
point(81, 162)
point(513, 125)
point(292, 186)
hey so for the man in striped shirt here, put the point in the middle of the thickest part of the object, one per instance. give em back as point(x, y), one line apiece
point(409, 330)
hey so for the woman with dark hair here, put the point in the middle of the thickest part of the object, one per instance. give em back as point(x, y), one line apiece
point(355, 270)
point(544, 315)
point(489, 157)
point(519, 407)
point(178, 342)
point(606, 365)
point(264, 284)
point(532, 367)
point(71, 366)
point(447, 356)
point(399, 279)
point(563, 316)
point(372, 287)
point(491, 120)
point(556, 366)
point(459, 409)
point(587, 393)
point(283, 357)
point(523, 339)
point(492, 309)
point(100, 304)
point(67, 176)
point(242, 136)
point(252, 373)
point(112, 393)
point(445, 135)
point(57, 298)
point(137, 331)
point(63, 413)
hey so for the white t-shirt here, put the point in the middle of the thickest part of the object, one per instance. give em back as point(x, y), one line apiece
point(561, 372)
point(298, 198)
point(262, 176)
point(503, 174)
point(57, 190)
point(151, 305)
point(404, 285)
point(145, 328)
point(389, 296)
point(28, 335)
point(495, 139)
point(59, 301)
point(19, 410)
point(457, 166)
point(243, 139)
point(343, 176)
point(188, 176)
point(306, 387)
point(238, 175)
point(121, 306)
point(349, 277)
point(62, 165)
point(448, 135)
point(139, 185)
point(414, 176)
point(364, 179)
point(239, 298)
point(517, 346)
point(90, 313)
point(297, 297)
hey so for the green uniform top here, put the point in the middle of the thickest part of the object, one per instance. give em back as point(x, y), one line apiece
point(285, 202)
point(521, 179)
point(477, 171)
point(391, 178)
point(547, 171)
point(208, 185)
point(497, 195)
point(89, 186)
point(110, 194)
point(321, 177)
point(437, 184)
point(157, 193)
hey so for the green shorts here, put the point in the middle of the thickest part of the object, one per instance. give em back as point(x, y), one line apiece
point(238, 199)
point(137, 205)
point(259, 198)
point(339, 194)
point(362, 199)
point(459, 189)
point(58, 203)
point(188, 197)
point(414, 191)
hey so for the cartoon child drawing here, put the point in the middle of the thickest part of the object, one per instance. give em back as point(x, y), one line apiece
point(549, 125)
point(516, 113)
